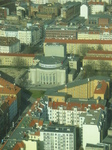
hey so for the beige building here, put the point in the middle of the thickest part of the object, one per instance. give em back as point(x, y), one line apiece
point(99, 60)
point(88, 35)
point(77, 46)
point(16, 59)
point(88, 88)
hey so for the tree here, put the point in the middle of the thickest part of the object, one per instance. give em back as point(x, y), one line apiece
point(88, 71)
point(100, 48)
point(19, 62)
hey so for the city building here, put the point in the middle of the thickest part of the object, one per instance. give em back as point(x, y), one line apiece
point(39, 1)
point(87, 88)
point(58, 137)
point(70, 9)
point(4, 12)
point(59, 32)
point(68, 112)
point(12, 90)
point(9, 45)
point(95, 123)
point(77, 46)
point(99, 146)
point(4, 117)
point(96, 7)
point(28, 36)
point(50, 70)
point(58, 50)
point(12, 103)
point(18, 60)
point(84, 11)
point(97, 60)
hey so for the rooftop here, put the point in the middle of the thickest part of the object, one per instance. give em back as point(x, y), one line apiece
point(7, 87)
point(7, 41)
point(78, 41)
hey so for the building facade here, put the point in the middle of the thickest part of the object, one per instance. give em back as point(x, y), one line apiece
point(58, 137)
point(50, 70)
point(22, 60)
point(9, 45)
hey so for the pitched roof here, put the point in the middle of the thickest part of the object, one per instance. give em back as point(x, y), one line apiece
point(17, 54)
point(97, 58)
point(10, 100)
point(101, 88)
point(95, 3)
point(70, 105)
point(19, 145)
point(78, 41)
point(33, 122)
point(99, 52)
point(7, 87)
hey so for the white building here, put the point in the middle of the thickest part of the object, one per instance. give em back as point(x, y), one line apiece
point(84, 11)
point(93, 126)
point(39, 1)
point(96, 7)
point(9, 45)
point(49, 70)
point(28, 36)
point(58, 137)
point(64, 113)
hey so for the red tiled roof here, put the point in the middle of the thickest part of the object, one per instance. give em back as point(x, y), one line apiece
point(40, 122)
point(97, 58)
point(10, 100)
point(37, 133)
point(78, 41)
point(70, 105)
point(95, 3)
point(102, 89)
point(8, 88)
point(17, 54)
point(33, 122)
point(99, 52)
point(19, 145)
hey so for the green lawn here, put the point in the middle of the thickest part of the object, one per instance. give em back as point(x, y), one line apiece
point(36, 93)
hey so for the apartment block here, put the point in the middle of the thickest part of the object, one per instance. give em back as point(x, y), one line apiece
point(68, 112)
point(12, 59)
point(70, 9)
point(77, 46)
point(93, 125)
point(58, 137)
point(9, 89)
point(99, 60)
point(4, 12)
point(28, 36)
point(4, 118)
point(9, 45)
point(96, 7)
point(58, 32)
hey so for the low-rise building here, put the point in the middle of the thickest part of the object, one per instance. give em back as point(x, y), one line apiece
point(86, 88)
point(58, 50)
point(9, 45)
point(50, 70)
